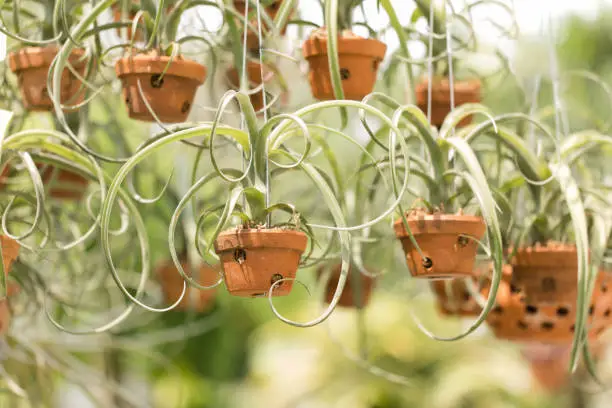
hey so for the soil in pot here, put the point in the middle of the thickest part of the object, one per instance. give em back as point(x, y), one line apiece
point(199, 300)
point(252, 41)
point(359, 61)
point(255, 79)
point(168, 87)
point(463, 91)
point(349, 294)
point(448, 243)
point(32, 64)
point(62, 184)
point(254, 259)
point(546, 273)
point(515, 319)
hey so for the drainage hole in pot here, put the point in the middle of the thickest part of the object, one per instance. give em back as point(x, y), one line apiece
point(157, 81)
point(514, 289)
point(374, 65)
point(562, 311)
point(275, 278)
point(522, 325)
point(239, 255)
point(462, 241)
point(531, 309)
point(591, 310)
point(127, 101)
point(607, 313)
point(498, 310)
point(604, 288)
point(185, 107)
point(466, 296)
point(547, 325)
point(259, 294)
point(427, 263)
point(345, 73)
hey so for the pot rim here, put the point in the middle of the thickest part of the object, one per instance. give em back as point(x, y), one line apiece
point(234, 238)
point(22, 59)
point(147, 64)
point(317, 46)
point(459, 219)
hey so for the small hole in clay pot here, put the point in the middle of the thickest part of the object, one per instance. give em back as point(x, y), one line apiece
point(157, 81)
point(562, 311)
point(514, 289)
point(185, 107)
point(466, 296)
point(462, 241)
point(275, 278)
point(607, 313)
point(604, 288)
point(127, 101)
point(258, 295)
point(522, 325)
point(531, 309)
point(427, 263)
point(239, 255)
point(573, 328)
point(591, 309)
point(547, 325)
point(345, 73)
point(498, 309)
point(374, 65)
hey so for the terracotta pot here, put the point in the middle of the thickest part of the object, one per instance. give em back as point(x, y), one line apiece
point(10, 251)
point(194, 299)
point(516, 319)
point(255, 79)
point(32, 64)
point(547, 273)
point(170, 97)
point(252, 41)
point(67, 185)
point(253, 259)
point(116, 9)
point(4, 174)
point(442, 239)
point(348, 297)
point(464, 92)
point(359, 61)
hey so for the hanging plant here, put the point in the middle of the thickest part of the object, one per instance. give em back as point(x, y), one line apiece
point(270, 11)
point(255, 78)
point(464, 92)
point(172, 286)
point(358, 288)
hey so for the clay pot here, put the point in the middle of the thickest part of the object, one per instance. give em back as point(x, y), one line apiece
point(67, 185)
point(547, 273)
point(116, 9)
point(348, 297)
point(444, 243)
point(255, 79)
point(359, 61)
point(32, 64)
point(253, 259)
point(252, 41)
point(10, 251)
point(515, 319)
point(4, 174)
point(170, 96)
point(464, 91)
point(194, 299)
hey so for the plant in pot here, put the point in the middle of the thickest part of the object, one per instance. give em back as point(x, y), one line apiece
point(47, 29)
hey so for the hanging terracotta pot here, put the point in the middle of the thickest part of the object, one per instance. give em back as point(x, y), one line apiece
point(463, 91)
point(252, 41)
point(359, 61)
point(253, 71)
point(170, 95)
point(516, 319)
point(62, 184)
point(10, 251)
point(546, 273)
point(254, 259)
point(117, 17)
point(349, 294)
point(32, 64)
point(195, 299)
point(448, 243)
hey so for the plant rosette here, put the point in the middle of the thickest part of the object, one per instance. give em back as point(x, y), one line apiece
point(62, 184)
point(252, 41)
point(464, 92)
point(253, 259)
point(448, 242)
point(254, 75)
point(359, 59)
point(546, 273)
point(168, 85)
point(515, 319)
point(32, 64)
point(349, 297)
point(194, 299)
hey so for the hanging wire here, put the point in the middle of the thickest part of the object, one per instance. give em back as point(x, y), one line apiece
point(430, 35)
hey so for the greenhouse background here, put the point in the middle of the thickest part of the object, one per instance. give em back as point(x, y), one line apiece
point(133, 169)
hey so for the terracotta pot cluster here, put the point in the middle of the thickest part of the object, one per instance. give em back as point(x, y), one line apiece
point(32, 65)
point(359, 59)
point(62, 184)
point(254, 76)
point(194, 299)
point(463, 91)
point(349, 294)
point(254, 259)
point(448, 243)
point(252, 41)
point(518, 317)
point(168, 87)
